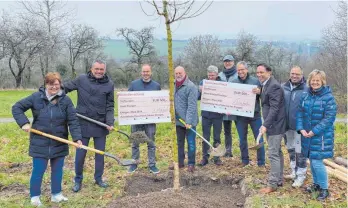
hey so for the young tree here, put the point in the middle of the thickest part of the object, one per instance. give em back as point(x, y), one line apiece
point(173, 11)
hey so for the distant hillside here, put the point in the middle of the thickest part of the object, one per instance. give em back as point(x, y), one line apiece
point(119, 50)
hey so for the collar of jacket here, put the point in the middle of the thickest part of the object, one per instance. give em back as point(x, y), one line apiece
point(42, 91)
point(299, 87)
point(321, 91)
point(104, 79)
point(243, 81)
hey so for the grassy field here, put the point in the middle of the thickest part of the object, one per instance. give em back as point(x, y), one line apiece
point(15, 169)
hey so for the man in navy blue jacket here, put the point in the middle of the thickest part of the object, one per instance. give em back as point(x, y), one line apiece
point(95, 99)
point(145, 83)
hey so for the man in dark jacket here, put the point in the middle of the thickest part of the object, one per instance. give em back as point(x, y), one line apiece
point(273, 113)
point(293, 90)
point(254, 122)
point(145, 83)
point(95, 100)
point(210, 119)
point(227, 75)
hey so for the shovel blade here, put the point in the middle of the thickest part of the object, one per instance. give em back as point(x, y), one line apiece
point(256, 147)
point(128, 162)
point(218, 151)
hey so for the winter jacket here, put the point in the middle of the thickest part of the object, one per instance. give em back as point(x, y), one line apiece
point(49, 118)
point(95, 99)
point(185, 103)
point(317, 113)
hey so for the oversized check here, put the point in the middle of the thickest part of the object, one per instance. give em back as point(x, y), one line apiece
point(143, 107)
point(227, 97)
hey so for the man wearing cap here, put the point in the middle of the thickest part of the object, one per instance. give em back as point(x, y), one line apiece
point(227, 75)
point(95, 99)
point(210, 119)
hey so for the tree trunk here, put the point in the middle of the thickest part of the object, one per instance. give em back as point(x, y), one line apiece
point(176, 182)
point(18, 79)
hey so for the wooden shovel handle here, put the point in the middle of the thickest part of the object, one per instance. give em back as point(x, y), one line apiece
point(66, 141)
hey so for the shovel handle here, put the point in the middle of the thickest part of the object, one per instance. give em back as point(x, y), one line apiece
point(183, 122)
point(94, 121)
point(66, 141)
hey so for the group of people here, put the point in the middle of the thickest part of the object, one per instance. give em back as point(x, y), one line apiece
point(301, 113)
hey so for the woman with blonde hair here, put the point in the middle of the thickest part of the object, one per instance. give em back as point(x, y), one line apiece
point(53, 113)
point(315, 121)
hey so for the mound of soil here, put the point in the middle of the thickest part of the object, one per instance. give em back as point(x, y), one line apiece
point(147, 191)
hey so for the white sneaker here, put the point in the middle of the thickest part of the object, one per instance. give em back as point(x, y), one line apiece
point(35, 201)
point(58, 197)
point(298, 182)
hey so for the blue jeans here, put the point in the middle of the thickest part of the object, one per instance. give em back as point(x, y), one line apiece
point(242, 128)
point(39, 168)
point(228, 136)
point(181, 133)
point(99, 144)
point(319, 173)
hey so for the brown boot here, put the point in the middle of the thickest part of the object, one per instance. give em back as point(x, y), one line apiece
point(267, 190)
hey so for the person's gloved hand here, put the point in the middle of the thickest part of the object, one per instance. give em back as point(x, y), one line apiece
point(26, 127)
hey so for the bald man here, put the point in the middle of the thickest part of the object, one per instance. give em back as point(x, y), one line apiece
point(185, 103)
point(145, 83)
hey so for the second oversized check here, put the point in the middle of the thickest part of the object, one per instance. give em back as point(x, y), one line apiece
point(227, 97)
point(143, 107)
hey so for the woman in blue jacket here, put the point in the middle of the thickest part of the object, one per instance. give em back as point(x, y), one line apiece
point(315, 121)
point(53, 113)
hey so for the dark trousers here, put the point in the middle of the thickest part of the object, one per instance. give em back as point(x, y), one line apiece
point(99, 144)
point(181, 134)
point(242, 128)
point(207, 123)
point(39, 168)
point(228, 136)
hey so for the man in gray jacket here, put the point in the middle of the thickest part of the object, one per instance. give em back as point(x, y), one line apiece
point(273, 113)
point(227, 75)
point(185, 103)
point(293, 90)
point(145, 83)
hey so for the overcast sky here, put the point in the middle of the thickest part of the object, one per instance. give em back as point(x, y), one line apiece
point(290, 20)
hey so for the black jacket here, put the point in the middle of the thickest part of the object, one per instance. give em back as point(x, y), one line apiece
point(273, 107)
point(49, 118)
point(95, 99)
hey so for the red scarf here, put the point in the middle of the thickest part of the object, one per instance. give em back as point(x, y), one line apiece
point(179, 83)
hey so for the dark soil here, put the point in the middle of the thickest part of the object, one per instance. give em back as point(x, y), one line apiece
point(198, 190)
point(13, 189)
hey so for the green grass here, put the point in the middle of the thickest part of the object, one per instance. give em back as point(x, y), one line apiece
point(14, 149)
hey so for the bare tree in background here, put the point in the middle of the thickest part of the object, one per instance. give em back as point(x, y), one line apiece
point(333, 54)
point(81, 40)
point(53, 17)
point(246, 45)
point(23, 40)
point(173, 11)
point(139, 42)
point(201, 52)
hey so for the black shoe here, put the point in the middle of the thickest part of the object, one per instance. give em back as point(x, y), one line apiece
point(76, 187)
point(280, 184)
point(312, 188)
point(228, 154)
point(323, 194)
point(203, 162)
point(101, 184)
